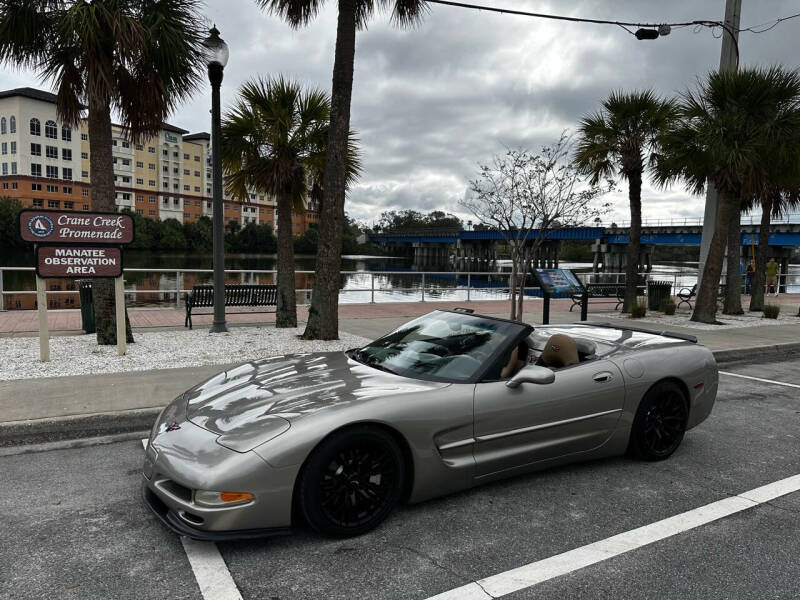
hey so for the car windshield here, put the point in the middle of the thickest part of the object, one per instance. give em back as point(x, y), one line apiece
point(441, 346)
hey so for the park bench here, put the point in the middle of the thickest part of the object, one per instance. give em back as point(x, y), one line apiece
point(615, 292)
point(235, 295)
point(687, 294)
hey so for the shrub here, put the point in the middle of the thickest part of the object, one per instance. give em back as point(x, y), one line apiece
point(639, 310)
point(668, 306)
point(771, 311)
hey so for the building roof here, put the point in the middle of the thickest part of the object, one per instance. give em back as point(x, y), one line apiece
point(29, 92)
point(197, 136)
point(169, 127)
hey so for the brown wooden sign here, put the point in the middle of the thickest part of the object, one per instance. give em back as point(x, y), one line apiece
point(74, 227)
point(78, 261)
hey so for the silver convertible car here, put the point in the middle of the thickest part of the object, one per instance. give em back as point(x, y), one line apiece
point(446, 402)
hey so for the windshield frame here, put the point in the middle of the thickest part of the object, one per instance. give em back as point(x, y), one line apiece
point(525, 331)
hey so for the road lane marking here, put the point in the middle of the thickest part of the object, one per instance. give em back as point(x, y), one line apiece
point(537, 572)
point(791, 385)
point(209, 568)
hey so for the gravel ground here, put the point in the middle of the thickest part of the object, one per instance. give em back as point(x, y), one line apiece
point(80, 355)
point(788, 316)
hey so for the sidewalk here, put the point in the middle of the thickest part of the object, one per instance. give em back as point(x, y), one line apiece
point(86, 405)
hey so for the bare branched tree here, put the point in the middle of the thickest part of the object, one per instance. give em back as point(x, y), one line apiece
point(527, 197)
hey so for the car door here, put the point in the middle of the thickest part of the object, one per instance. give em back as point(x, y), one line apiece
point(533, 422)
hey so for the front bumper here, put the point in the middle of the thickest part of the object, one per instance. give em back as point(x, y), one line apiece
point(174, 523)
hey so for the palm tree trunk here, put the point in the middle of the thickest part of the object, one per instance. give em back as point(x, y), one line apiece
point(705, 308)
point(733, 277)
point(323, 315)
point(286, 314)
point(760, 276)
point(634, 240)
point(512, 288)
point(103, 194)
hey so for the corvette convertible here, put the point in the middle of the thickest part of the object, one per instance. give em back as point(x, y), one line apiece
point(445, 402)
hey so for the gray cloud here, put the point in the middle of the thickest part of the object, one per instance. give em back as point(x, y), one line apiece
point(431, 103)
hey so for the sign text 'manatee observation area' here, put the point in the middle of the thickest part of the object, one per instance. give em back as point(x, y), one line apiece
point(67, 227)
point(80, 261)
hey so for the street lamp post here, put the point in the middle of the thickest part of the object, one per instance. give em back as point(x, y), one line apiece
point(217, 57)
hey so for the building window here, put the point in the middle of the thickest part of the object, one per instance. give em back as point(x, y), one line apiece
point(175, 186)
point(165, 152)
point(85, 174)
point(53, 189)
point(36, 171)
point(151, 212)
point(36, 127)
point(185, 188)
point(51, 130)
point(85, 155)
point(126, 179)
point(175, 171)
point(13, 168)
point(4, 146)
point(139, 181)
point(84, 192)
point(5, 168)
point(52, 172)
point(53, 204)
point(139, 147)
point(126, 196)
point(113, 160)
point(66, 154)
point(5, 185)
point(151, 166)
point(187, 216)
point(36, 149)
point(126, 144)
point(186, 171)
point(66, 190)
point(13, 183)
point(38, 203)
point(196, 158)
point(139, 211)
point(151, 182)
point(51, 151)
point(12, 124)
point(165, 169)
point(197, 203)
point(36, 187)
point(113, 142)
point(13, 147)
point(84, 137)
point(151, 149)
point(166, 185)
point(185, 157)
point(2, 126)
point(66, 173)
point(176, 201)
point(139, 164)
point(69, 205)
point(175, 154)
point(66, 133)
point(197, 188)
point(85, 207)
point(208, 204)
point(151, 199)
point(197, 173)
point(126, 162)
point(140, 198)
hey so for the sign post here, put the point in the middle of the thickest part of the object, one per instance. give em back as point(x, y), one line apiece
point(559, 281)
point(77, 244)
point(44, 332)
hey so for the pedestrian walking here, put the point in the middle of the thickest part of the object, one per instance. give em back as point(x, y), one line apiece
point(749, 273)
point(772, 277)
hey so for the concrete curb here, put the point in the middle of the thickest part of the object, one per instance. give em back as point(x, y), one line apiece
point(76, 427)
point(757, 353)
point(37, 431)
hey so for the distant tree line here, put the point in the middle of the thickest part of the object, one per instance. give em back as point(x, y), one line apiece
point(406, 220)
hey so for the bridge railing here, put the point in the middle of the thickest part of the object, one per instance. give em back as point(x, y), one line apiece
point(376, 286)
point(791, 218)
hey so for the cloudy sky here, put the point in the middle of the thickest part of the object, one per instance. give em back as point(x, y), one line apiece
point(430, 103)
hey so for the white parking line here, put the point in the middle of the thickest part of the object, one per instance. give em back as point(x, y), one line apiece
point(791, 385)
point(561, 564)
point(209, 568)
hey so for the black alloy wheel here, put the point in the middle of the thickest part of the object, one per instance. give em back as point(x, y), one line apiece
point(660, 422)
point(352, 481)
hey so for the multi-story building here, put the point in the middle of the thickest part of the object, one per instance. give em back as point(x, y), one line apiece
point(46, 164)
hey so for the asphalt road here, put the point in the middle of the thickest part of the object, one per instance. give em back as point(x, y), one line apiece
point(73, 525)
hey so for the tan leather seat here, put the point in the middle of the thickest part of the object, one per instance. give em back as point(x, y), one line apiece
point(560, 351)
point(515, 362)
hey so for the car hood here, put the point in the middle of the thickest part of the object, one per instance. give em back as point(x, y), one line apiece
point(260, 399)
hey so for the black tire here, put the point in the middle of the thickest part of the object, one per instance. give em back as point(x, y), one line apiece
point(660, 422)
point(351, 481)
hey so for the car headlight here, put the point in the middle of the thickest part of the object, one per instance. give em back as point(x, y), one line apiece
point(216, 499)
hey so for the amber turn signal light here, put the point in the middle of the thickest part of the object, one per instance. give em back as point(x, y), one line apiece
point(235, 496)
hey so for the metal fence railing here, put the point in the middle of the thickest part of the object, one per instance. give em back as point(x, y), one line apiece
point(360, 286)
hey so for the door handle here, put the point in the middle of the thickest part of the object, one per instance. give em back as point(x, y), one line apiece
point(603, 377)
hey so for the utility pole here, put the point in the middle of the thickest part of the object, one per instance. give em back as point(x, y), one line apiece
point(728, 61)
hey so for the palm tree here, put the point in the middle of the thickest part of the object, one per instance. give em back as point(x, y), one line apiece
point(274, 141)
point(728, 132)
point(323, 316)
point(138, 57)
point(622, 139)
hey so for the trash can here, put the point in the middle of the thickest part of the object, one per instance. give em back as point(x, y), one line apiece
point(87, 305)
point(657, 292)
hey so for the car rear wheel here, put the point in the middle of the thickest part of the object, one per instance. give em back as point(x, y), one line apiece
point(351, 482)
point(660, 422)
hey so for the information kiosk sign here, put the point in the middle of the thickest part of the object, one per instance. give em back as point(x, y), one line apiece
point(559, 281)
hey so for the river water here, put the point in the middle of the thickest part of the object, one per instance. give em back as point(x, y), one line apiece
point(386, 279)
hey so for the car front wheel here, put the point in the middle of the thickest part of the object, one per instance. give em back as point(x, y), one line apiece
point(660, 422)
point(351, 481)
